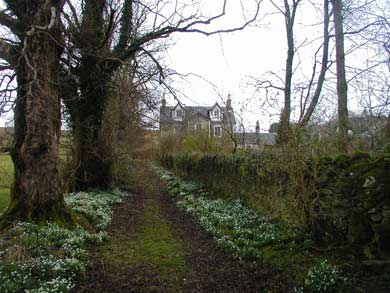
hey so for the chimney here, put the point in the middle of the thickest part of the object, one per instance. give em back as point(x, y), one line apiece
point(163, 102)
point(257, 127)
point(229, 102)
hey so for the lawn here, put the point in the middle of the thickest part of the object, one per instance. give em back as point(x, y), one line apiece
point(7, 171)
point(6, 177)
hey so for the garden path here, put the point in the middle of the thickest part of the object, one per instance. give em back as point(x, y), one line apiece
point(154, 247)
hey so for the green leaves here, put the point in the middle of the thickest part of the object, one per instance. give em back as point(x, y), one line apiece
point(47, 258)
point(236, 228)
point(324, 277)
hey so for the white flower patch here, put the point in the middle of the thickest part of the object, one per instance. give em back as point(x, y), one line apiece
point(324, 277)
point(96, 206)
point(54, 255)
point(236, 228)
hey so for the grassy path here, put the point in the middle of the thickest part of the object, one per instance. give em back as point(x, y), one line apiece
point(155, 247)
point(142, 254)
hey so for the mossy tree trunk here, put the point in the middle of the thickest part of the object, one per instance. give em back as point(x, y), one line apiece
point(37, 192)
point(93, 75)
point(91, 149)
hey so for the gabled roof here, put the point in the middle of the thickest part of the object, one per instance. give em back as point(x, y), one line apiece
point(216, 104)
point(256, 138)
point(190, 111)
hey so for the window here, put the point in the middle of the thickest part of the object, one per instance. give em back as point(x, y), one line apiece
point(217, 131)
point(216, 114)
point(179, 113)
point(198, 126)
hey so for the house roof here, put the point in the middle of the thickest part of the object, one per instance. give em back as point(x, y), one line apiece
point(257, 138)
point(190, 111)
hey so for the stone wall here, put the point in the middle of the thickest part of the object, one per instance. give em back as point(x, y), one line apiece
point(352, 201)
point(345, 199)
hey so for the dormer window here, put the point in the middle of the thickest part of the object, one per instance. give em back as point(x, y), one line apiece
point(216, 114)
point(178, 113)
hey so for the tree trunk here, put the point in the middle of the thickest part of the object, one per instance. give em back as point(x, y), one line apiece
point(341, 79)
point(324, 66)
point(289, 16)
point(93, 166)
point(92, 151)
point(37, 190)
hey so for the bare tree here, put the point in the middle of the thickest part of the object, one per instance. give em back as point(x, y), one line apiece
point(307, 113)
point(308, 91)
point(31, 49)
point(342, 88)
point(289, 12)
point(104, 37)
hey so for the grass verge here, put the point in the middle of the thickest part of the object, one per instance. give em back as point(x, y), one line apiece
point(152, 249)
point(6, 178)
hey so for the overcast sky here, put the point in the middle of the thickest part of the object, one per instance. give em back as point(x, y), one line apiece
point(230, 61)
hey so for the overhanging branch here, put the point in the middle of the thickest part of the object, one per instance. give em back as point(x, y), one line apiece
point(190, 27)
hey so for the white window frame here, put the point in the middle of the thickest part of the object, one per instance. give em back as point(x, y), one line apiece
point(198, 124)
point(175, 113)
point(216, 114)
point(220, 130)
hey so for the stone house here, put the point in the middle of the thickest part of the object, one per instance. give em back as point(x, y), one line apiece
point(215, 120)
point(255, 140)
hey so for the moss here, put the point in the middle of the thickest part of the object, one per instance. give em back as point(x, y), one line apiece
point(315, 194)
point(359, 156)
point(293, 260)
point(152, 247)
point(56, 212)
point(342, 161)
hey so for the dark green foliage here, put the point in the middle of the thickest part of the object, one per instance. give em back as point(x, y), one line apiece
point(344, 199)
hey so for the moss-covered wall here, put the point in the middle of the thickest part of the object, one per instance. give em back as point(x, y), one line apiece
point(353, 199)
point(344, 199)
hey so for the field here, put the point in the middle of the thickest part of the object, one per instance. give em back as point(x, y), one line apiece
point(6, 177)
point(7, 171)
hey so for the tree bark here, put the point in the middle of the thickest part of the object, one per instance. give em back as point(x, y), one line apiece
point(37, 190)
point(342, 89)
point(92, 159)
point(324, 66)
point(93, 166)
point(289, 15)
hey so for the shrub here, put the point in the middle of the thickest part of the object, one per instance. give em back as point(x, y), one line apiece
point(324, 277)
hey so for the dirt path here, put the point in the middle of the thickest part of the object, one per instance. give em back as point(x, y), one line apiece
point(154, 247)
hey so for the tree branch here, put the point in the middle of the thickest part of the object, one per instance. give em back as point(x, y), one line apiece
point(7, 52)
point(185, 28)
point(13, 24)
